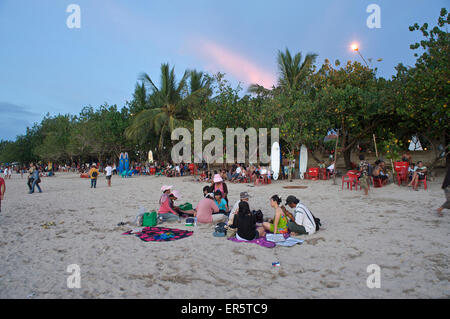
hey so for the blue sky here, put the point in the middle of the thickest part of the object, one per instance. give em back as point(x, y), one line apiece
point(47, 67)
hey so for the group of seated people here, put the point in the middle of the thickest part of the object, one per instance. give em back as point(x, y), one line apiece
point(240, 219)
point(237, 173)
point(416, 172)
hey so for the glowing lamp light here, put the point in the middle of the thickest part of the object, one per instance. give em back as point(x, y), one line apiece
point(355, 47)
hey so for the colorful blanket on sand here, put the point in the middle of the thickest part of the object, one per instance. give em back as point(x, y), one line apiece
point(160, 234)
point(260, 241)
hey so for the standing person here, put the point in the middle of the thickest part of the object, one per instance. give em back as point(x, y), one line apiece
point(445, 187)
point(93, 174)
point(279, 224)
point(5, 172)
point(302, 222)
point(2, 191)
point(364, 178)
point(36, 181)
point(108, 171)
point(30, 176)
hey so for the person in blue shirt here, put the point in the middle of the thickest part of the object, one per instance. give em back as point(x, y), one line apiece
point(221, 202)
point(36, 181)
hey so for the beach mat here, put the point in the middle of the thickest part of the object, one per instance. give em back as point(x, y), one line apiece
point(260, 241)
point(160, 234)
point(295, 187)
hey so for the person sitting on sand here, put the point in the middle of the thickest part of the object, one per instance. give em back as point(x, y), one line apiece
point(205, 209)
point(166, 210)
point(219, 184)
point(243, 197)
point(245, 223)
point(420, 172)
point(302, 221)
point(174, 195)
point(221, 202)
point(279, 224)
point(166, 190)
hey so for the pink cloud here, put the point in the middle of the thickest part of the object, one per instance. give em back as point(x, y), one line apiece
point(238, 66)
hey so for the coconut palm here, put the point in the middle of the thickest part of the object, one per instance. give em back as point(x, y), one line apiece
point(293, 71)
point(166, 107)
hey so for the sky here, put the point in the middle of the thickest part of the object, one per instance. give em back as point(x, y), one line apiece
point(45, 66)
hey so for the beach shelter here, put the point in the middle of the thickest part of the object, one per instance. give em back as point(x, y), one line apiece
point(415, 144)
point(126, 162)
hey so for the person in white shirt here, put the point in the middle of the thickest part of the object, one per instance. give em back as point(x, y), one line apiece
point(302, 221)
point(108, 172)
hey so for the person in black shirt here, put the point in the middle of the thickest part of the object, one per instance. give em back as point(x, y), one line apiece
point(245, 222)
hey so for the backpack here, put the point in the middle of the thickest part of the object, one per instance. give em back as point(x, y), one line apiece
point(258, 215)
point(94, 174)
point(317, 222)
point(150, 219)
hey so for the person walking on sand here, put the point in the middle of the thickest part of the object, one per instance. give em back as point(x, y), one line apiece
point(108, 172)
point(36, 181)
point(364, 178)
point(2, 191)
point(445, 187)
point(93, 174)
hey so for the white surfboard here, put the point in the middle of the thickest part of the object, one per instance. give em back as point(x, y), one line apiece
point(275, 160)
point(150, 156)
point(303, 161)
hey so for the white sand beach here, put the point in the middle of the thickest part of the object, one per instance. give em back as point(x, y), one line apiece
point(395, 228)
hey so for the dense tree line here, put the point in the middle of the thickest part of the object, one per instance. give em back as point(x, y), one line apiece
point(307, 102)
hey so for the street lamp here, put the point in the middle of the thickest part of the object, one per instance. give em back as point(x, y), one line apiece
point(356, 49)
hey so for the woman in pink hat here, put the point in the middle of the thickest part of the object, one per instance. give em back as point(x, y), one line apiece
point(219, 184)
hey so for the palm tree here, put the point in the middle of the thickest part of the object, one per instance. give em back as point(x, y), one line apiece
point(293, 71)
point(166, 107)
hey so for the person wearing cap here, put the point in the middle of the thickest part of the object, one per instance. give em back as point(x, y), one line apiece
point(243, 197)
point(166, 210)
point(302, 221)
point(93, 173)
point(165, 189)
point(219, 184)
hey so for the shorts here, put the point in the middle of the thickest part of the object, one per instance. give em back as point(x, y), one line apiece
point(363, 181)
point(280, 231)
point(421, 176)
point(296, 228)
point(108, 177)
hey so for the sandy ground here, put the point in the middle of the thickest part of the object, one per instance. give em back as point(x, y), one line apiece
point(395, 228)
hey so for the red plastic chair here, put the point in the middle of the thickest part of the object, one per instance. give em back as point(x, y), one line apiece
point(324, 174)
point(351, 179)
point(152, 170)
point(377, 183)
point(424, 182)
point(401, 168)
point(312, 173)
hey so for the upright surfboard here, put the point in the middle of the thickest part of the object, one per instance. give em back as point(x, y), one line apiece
point(303, 161)
point(275, 160)
point(150, 156)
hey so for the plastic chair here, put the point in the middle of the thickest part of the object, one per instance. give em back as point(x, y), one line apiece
point(350, 178)
point(424, 182)
point(312, 173)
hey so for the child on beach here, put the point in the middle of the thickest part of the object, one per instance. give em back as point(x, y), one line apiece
point(108, 172)
point(93, 174)
point(221, 202)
